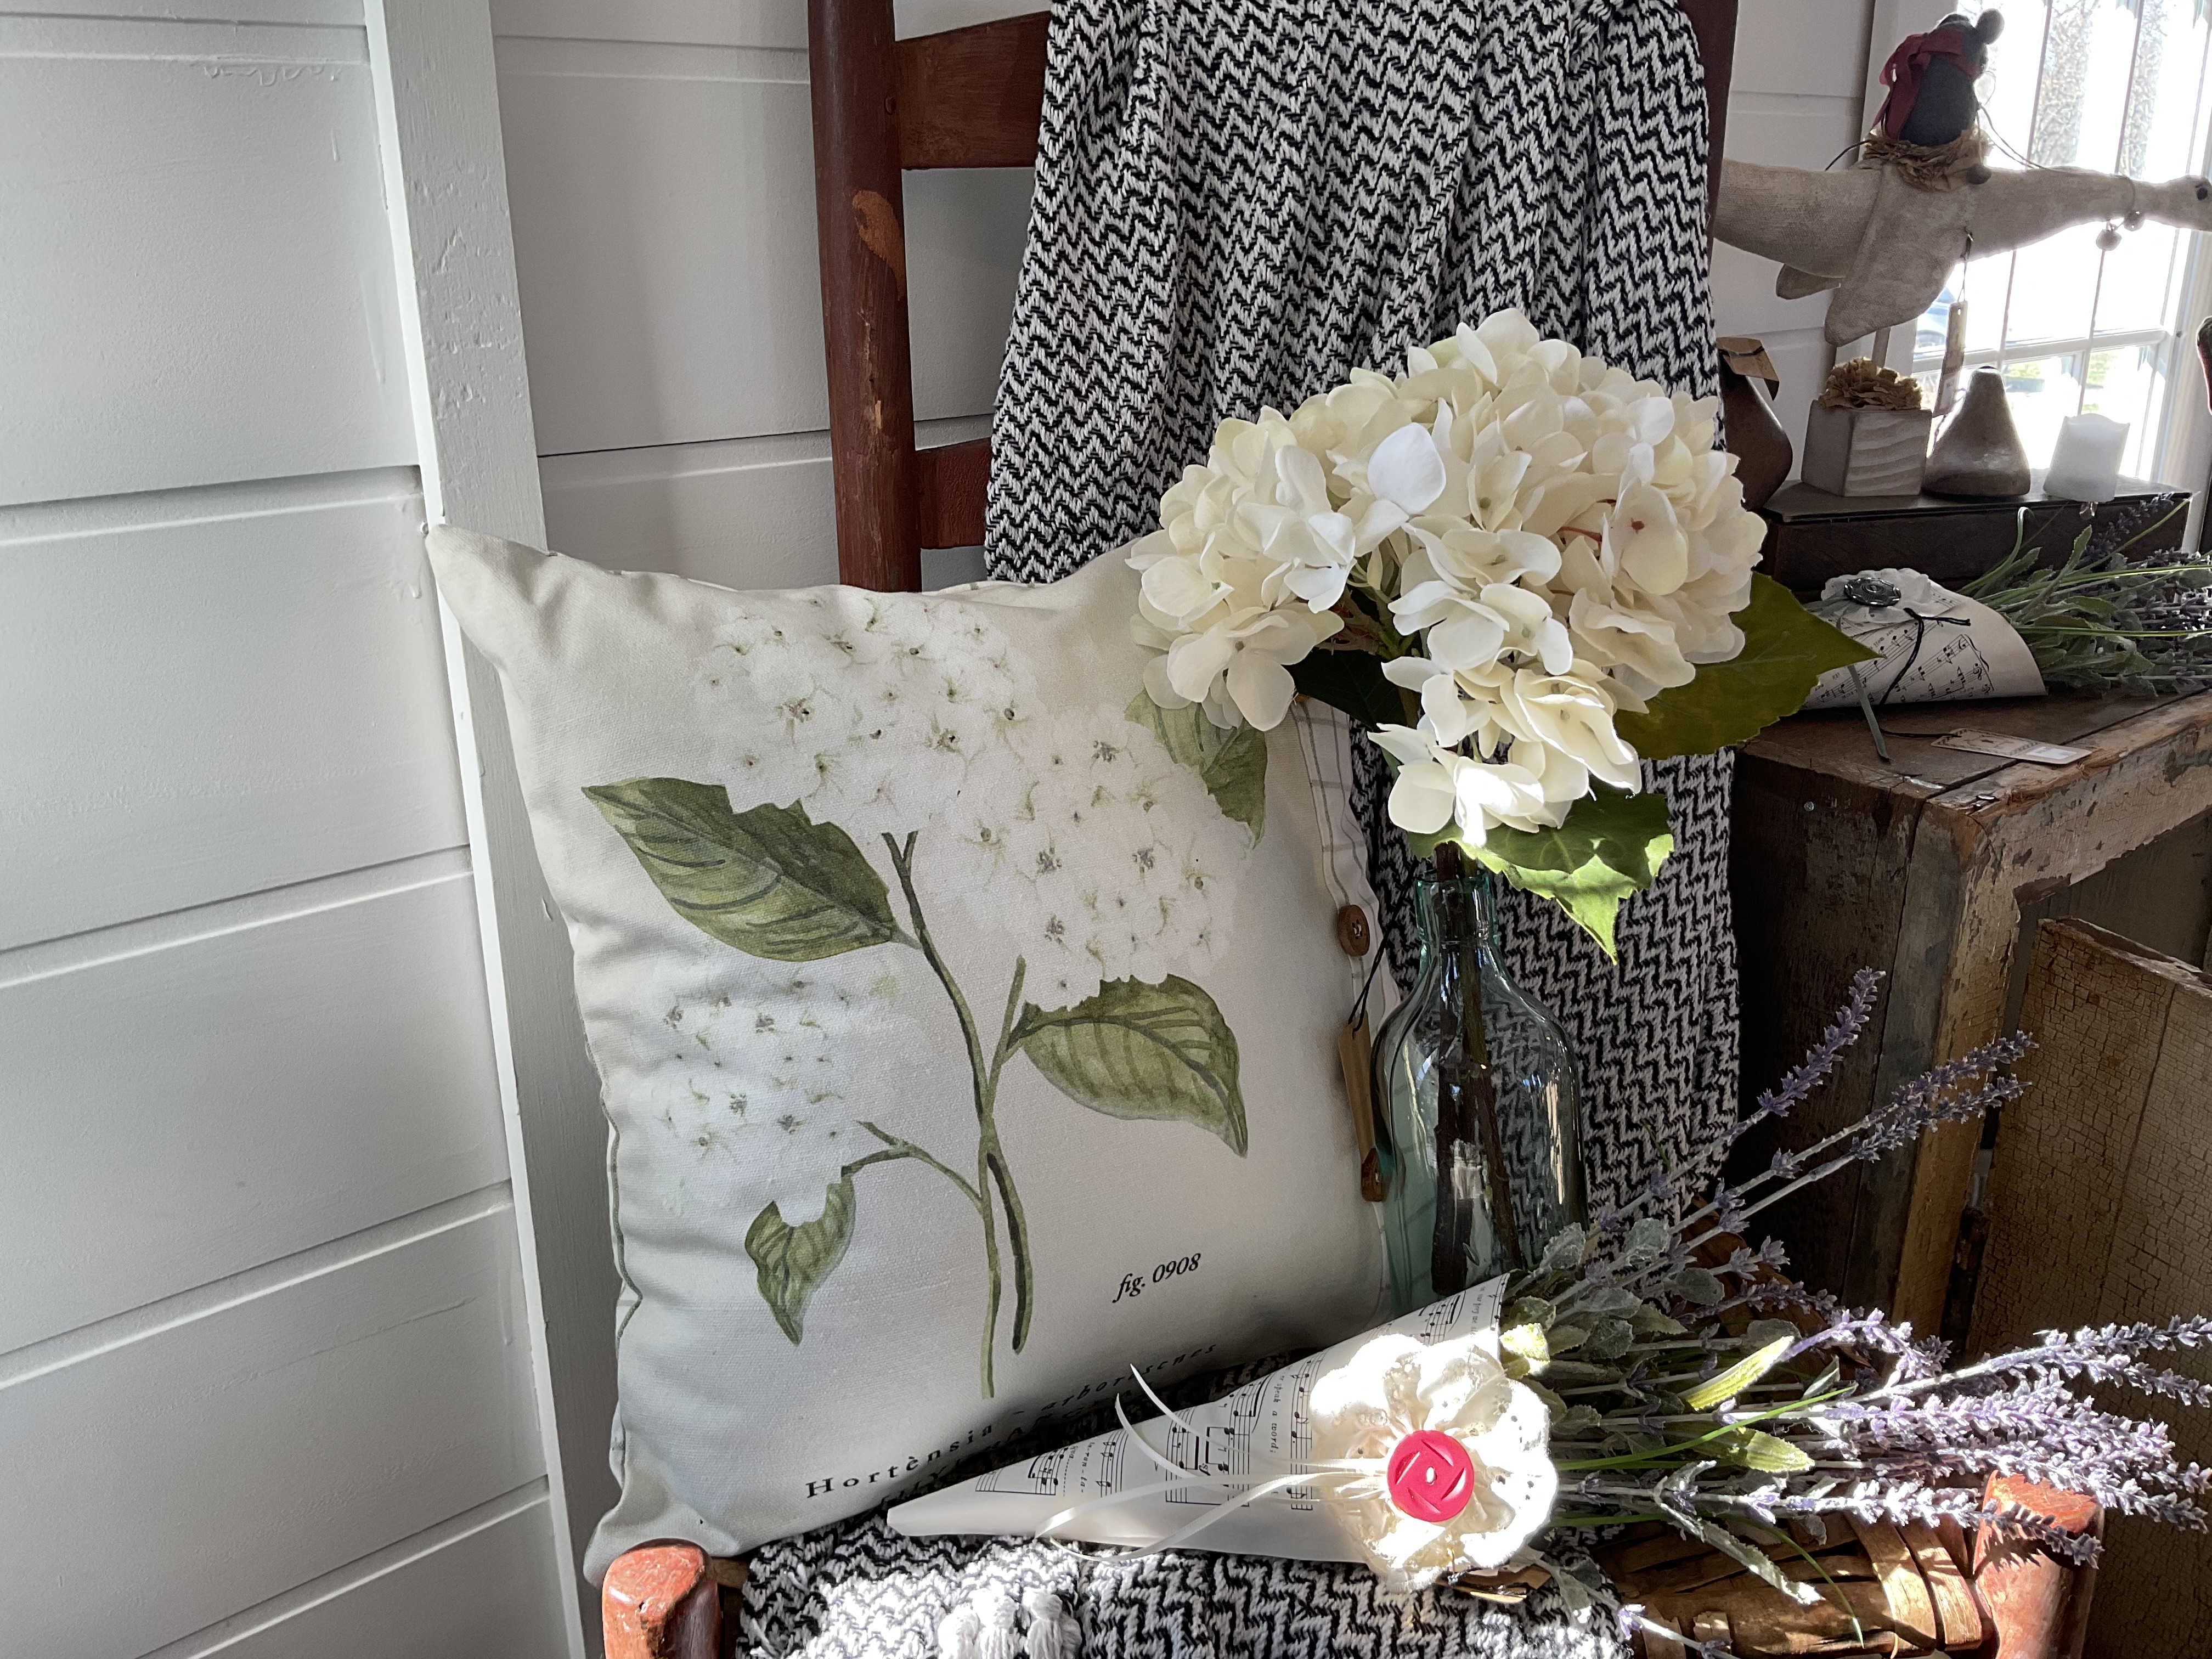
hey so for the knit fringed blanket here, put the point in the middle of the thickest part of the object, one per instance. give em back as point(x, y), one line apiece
point(1238, 201)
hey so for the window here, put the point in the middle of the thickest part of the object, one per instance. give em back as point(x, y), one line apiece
point(2119, 86)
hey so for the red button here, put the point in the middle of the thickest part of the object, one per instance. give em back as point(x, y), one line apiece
point(1430, 1476)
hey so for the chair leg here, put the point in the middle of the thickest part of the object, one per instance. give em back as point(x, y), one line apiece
point(662, 1602)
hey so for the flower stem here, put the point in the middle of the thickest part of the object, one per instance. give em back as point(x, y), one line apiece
point(984, 1079)
point(1018, 1227)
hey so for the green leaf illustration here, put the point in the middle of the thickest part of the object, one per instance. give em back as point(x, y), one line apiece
point(794, 1260)
point(1785, 649)
point(770, 881)
point(1142, 1051)
point(1233, 764)
point(1610, 847)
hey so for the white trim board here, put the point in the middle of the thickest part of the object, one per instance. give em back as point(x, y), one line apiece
point(437, 107)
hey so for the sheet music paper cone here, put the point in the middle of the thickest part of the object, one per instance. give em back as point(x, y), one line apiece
point(1932, 645)
point(1256, 1435)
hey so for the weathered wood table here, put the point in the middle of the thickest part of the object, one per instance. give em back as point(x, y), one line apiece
point(1921, 868)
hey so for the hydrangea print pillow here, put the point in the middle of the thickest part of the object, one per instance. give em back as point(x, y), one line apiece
point(966, 1021)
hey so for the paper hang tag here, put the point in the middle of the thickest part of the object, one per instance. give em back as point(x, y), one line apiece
point(1356, 1048)
point(1747, 357)
point(2010, 748)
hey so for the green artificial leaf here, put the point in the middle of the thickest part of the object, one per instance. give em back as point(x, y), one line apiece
point(1785, 649)
point(770, 881)
point(1352, 680)
point(794, 1260)
point(1531, 1342)
point(1232, 763)
point(1753, 1450)
point(1701, 1287)
point(1142, 1051)
point(1737, 1377)
point(1756, 1560)
point(1610, 847)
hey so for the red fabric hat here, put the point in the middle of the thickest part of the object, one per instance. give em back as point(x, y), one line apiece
point(1909, 63)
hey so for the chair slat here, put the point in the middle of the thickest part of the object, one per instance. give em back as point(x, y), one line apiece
point(859, 217)
point(952, 479)
point(972, 97)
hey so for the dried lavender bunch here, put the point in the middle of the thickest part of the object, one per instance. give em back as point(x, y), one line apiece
point(1732, 1403)
point(2102, 624)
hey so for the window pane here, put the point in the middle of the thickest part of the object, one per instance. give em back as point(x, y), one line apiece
point(2137, 278)
point(2054, 286)
point(2161, 141)
point(2043, 391)
point(2008, 91)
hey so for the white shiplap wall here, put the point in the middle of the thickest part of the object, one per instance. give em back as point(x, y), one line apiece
point(265, 1375)
point(1797, 101)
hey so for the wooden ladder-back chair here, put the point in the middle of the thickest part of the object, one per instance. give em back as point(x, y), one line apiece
point(964, 98)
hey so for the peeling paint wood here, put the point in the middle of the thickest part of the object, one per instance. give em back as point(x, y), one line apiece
point(2100, 1207)
point(1926, 882)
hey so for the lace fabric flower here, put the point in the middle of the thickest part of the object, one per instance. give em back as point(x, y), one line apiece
point(1424, 1508)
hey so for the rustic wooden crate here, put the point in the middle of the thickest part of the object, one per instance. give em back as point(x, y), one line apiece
point(1921, 868)
point(2100, 1209)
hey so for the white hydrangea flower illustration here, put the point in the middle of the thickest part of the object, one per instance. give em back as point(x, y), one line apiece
point(1121, 866)
point(757, 1080)
point(904, 715)
point(878, 712)
point(890, 753)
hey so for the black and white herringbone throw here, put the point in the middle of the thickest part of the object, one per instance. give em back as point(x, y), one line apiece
point(1238, 201)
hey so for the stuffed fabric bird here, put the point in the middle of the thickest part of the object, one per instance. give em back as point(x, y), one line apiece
point(1931, 78)
point(1887, 240)
point(1887, 246)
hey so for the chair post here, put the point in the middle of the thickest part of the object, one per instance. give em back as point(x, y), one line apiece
point(859, 209)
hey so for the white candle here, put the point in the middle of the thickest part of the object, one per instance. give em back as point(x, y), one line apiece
point(2086, 467)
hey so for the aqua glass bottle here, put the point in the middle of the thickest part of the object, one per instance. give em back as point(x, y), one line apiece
point(1480, 1096)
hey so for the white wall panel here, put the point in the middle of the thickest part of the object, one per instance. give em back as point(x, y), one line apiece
point(1796, 102)
point(214, 693)
point(1811, 47)
point(177, 1114)
point(662, 198)
point(233, 172)
point(221, 1460)
point(485, 1591)
point(753, 512)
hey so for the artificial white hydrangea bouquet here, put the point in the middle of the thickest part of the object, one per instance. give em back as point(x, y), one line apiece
point(1525, 571)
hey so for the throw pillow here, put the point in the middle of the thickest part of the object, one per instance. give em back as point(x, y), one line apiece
point(966, 1020)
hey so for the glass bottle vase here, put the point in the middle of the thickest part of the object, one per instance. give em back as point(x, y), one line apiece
point(1479, 1093)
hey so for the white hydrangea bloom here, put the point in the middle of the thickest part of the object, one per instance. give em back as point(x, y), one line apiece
point(1524, 510)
